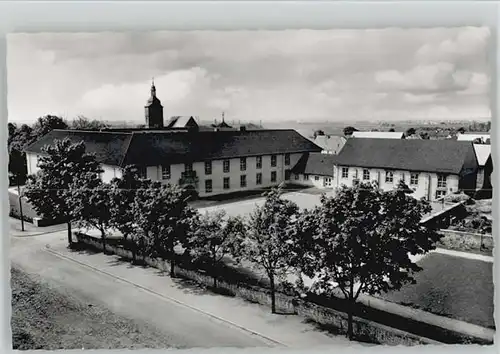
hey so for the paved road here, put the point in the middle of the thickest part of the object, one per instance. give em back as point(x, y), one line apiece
point(185, 327)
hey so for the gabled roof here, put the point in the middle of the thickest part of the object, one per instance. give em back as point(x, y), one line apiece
point(440, 156)
point(379, 135)
point(483, 151)
point(160, 147)
point(331, 143)
point(110, 148)
point(315, 163)
point(181, 121)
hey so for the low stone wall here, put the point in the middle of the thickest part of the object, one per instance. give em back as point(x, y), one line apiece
point(465, 241)
point(368, 330)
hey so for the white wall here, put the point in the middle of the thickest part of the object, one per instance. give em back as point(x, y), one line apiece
point(426, 187)
point(32, 161)
point(110, 172)
point(217, 176)
point(318, 181)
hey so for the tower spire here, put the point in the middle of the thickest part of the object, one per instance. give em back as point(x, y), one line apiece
point(222, 116)
point(153, 88)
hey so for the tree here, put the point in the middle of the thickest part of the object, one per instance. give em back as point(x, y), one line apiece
point(392, 130)
point(363, 240)
point(268, 242)
point(410, 131)
point(349, 130)
point(164, 217)
point(83, 123)
point(49, 191)
point(424, 135)
point(461, 130)
point(47, 123)
point(123, 194)
point(215, 237)
point(92, 203)
point(318, 133)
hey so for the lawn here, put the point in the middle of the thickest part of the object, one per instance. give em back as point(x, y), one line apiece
point(43, 318)
point(450, 286)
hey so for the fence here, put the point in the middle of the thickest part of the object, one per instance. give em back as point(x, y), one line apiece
point(466, 241)
point(365, 328)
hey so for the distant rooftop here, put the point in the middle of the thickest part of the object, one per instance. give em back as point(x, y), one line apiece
point(378, 135)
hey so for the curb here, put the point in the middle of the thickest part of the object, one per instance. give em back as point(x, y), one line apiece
point(47, 249)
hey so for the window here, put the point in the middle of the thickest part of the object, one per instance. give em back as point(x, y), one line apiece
point(327, 182)
point(414, 179)
point(258, 161)
point(208, 186)
point(296, 177)
point(316, 178)
point(273, 160)
point(441, 181)
point(306, 177)
point(165, 172)
point(366, 175)
point(226, 182)
point(345, 172)
point(389, 176)
point(440, 193)
point(243, 164)
point(188, 167)
point(273, 176)
point(243, 181)
point(226, 166)
point(208, 167)
point(142, 172)
point(287, 175)
point(287, 159)
point(259, 178)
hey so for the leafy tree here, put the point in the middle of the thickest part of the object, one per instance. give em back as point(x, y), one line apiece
point(410, 131)
point(461, 130)
point(123, 194)
point(349, 130)
point(83, 123)
point(164, 217)
point(363, 240)
point(215, 237)
point(268, 242)
point(92, 203)
point(318, 133)
point(50, 190)
point(47, 123)
point(425, 135)
point(392, 130)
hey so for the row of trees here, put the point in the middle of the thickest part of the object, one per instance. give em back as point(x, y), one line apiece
point(23, 135)
point(357, 242)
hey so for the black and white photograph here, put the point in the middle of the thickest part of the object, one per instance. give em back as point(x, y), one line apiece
point(250, 188)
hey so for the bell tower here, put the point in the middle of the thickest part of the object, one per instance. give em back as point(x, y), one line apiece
point(153, 110)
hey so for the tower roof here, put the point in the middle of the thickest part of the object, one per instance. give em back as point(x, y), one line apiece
point(153, 100)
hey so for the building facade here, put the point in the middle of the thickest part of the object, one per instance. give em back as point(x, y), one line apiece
point(431, 168)
point(209, 162)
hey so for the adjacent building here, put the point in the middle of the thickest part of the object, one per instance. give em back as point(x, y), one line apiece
point(483, 154)
point(432, 168)
point(483, 137)
point(314, 170)
point(331, 144)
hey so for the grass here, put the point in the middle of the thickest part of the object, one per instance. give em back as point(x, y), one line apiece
point(450, 286)
point(43, 318)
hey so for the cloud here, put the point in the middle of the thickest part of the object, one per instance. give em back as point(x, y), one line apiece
point(268, 75)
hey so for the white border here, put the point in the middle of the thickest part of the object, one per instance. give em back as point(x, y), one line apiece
point(91, 16)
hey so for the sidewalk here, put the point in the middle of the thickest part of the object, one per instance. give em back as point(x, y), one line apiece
point(288, 330)
point(462, 254)
point(15, 228)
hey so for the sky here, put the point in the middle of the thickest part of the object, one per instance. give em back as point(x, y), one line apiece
point(305, 75)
